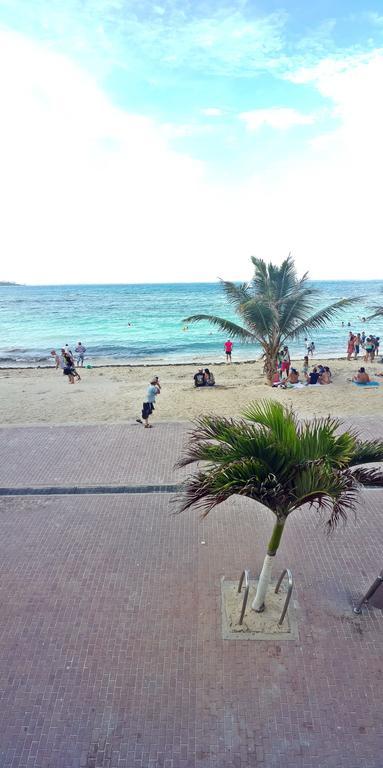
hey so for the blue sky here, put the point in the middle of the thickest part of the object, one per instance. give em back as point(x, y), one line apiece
point(158, 140)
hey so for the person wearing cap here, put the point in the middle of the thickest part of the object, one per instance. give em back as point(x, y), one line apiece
point(153, 390)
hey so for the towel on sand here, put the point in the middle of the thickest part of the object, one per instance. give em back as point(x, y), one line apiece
point(366, 383)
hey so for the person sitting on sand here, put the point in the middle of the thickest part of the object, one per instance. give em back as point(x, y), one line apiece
point(276, 380)
point(313, 377)
point(209, 378)
point(325, 376)
point(199, 378)
point(362, 377)
point(293, 377)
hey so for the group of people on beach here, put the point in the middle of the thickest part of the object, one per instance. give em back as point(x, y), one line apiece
point(320, 374)
point(358, 341)
point(204, 378)
point(66, 362)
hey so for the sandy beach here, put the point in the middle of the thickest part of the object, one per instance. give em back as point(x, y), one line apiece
point(115, 394)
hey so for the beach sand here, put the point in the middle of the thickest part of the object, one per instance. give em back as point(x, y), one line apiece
point(115, 394)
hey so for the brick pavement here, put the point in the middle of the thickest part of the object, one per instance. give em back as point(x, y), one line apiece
point(110, 637)
point(102, 454)
point(89, 454)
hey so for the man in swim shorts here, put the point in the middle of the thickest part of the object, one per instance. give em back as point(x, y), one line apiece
point(228, 346)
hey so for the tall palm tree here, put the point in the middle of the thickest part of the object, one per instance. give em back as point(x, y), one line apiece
point(272, 457)
point(275, 306)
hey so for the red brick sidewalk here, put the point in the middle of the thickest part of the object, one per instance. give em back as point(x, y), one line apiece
point(110, 637)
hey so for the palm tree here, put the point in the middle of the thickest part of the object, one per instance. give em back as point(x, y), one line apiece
point(281, 462)
point(275, 306)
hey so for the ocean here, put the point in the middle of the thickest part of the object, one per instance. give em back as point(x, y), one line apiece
point(136, 324)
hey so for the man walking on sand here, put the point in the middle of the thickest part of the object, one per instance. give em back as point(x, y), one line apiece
point(228, 346)
point(154, 389)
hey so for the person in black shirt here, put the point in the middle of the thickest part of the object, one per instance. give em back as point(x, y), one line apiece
point(199, 378)
point(313, 376)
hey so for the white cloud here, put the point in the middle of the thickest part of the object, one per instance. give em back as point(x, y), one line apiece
point(91, 193)
point(280, 118)
point(212, 112)
point(88, 192)
point(326, 203)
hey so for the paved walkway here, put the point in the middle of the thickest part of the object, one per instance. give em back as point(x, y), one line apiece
point(86, 455)
point(110, 637)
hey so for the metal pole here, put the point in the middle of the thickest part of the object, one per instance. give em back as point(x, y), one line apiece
point(245, 576)
point(289, 575)
point(369, 593)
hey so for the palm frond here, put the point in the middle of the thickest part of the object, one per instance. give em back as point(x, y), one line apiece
point(208, 489)
point(232, 329)
point(333, 493)
point(367, 452)
point(370, 478)
point(236, 294)
point(273, 458)
point(285, 279)
point(293, 310)
point(259, 316)
point(318, 439)
point(320, 318)
point(260, 281)
point(221, 441)
point(377, 312)
point(277, 418)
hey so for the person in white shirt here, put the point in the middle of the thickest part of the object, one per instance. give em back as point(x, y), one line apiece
point(80, 349)
point(153, 390)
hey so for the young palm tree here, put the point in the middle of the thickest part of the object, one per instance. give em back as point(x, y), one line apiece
point(275, 307)
point(281, 462)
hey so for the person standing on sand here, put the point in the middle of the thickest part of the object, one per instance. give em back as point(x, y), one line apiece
point(357, 345)
point(286, 362)
point(80, 349)
point(57, 358)
point(68, 369)
point(350, 345)
point(67, 363)
point(153, 390)
point(228, 346)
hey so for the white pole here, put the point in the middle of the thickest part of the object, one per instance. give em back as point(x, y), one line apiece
point(258, 603)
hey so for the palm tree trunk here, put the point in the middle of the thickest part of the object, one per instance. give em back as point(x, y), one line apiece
point(271, 365)
point(265, 575)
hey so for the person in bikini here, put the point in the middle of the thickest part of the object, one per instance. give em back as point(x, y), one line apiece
point(362, 377)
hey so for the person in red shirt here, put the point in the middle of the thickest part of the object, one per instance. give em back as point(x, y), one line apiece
point(228, 346)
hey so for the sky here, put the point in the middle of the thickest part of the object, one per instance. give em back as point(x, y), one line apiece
point(170, 140)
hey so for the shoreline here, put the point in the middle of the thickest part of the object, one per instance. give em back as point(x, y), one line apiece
point(312, 361)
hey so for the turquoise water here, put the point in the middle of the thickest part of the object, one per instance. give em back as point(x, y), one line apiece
point(36, 319)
